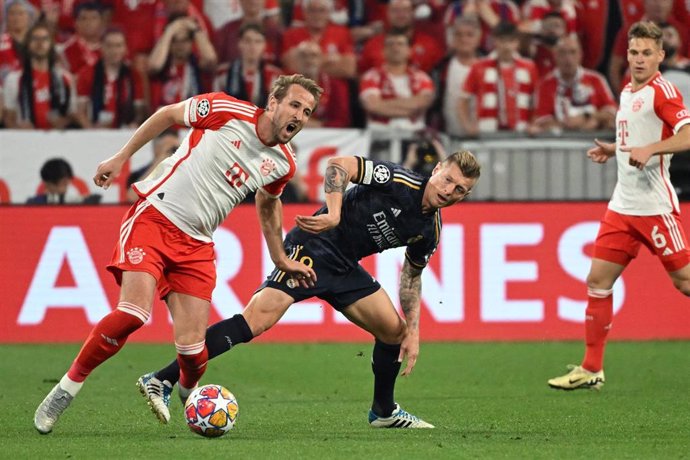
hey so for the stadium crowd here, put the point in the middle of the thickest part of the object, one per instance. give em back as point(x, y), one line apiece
point(463, 67)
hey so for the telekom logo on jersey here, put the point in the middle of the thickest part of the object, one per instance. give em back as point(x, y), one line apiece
point(445, 281)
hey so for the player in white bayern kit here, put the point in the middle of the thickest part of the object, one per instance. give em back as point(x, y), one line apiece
point(652, 123)
point(165, 243)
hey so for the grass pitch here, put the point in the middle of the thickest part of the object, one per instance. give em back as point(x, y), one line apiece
point(311, 401)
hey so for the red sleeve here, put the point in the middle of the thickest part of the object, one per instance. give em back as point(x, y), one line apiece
point(338, 105)
point(213, 110)
point(370, 81)
point(425, 82)
point(372, 54)
point(545, 104)
point(291, 38)
point(343, 39)
point(620, 44)
point(471, 84)
point(602, 93)
point(85, 81)
point(668, 105)
point(138, 85)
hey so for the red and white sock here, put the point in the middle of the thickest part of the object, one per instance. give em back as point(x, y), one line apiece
point(192, 360)
point(598, 318)
point(106, 339)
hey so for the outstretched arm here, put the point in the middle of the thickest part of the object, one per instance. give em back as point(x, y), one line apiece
point(410, 299)
point(156, 124)
point(270, 212)
point(679, 142)
point(602, 152)
point(339, 173)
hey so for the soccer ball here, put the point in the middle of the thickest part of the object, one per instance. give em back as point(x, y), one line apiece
point(211, 411)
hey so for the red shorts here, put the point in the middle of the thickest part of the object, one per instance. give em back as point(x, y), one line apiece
point(620, 237)
point(150, 243)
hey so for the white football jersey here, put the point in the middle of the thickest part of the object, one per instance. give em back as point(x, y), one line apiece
point(648, 115)
point(220, 160)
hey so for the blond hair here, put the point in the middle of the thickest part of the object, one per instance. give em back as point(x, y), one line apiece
point(467, 162)
point(282, 84)
point(646, 29)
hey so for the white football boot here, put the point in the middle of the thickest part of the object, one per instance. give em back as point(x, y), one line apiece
point(157, 395)
point(578, 378)
point(398, 419)
point(49, 411)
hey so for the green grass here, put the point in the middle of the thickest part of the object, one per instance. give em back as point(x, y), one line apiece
point(310, 402)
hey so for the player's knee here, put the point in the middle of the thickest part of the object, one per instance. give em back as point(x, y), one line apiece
point(395, 334)
point(596, 281)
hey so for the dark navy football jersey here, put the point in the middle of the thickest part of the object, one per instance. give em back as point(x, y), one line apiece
point(383, 211)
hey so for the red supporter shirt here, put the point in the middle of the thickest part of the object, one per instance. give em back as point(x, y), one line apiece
point(135, 17)
point(270, 75)
point(426, 52)
point(9, 57)
point(41, 87)
point(387, 86)
point(78, 54)
point(175, 86)
point(506, 10)
point(535, 10)
point(503, 94)
point(333, 110)
point(334, 39)
point(588, 93)
point(85, 84)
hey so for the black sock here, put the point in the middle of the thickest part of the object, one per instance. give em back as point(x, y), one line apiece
point(220, 338)
point(385, 365)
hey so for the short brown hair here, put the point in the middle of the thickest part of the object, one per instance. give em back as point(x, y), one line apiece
point(467, 162)
point(282, 84)
point(646, 29)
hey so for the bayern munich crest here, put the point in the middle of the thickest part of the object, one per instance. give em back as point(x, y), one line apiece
point(637, 104)
point(267, 166)
point(135, 256)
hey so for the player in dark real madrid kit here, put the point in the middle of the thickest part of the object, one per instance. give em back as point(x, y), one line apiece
point(389, 207)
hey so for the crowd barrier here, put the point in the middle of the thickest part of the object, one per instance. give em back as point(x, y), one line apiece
point(514, 168)
point(503, 271)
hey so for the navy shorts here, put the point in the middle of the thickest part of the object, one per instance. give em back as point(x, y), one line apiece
point(337, 284)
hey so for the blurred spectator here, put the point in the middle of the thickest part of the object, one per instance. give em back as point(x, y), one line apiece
point(396, 95)
point(136, 18)
point(489, 13)
point(59, 186)
point(168, 10)
point(40, 95)
point(675, 68)
point(83, 48)
point(18, 17)
point(249, 77)
point(174, 67)
point(449, 76)
point(333, 110)
point(225, 38)
point(592, 20)
point(335, 41)
point(164, 146)
point(573, 98)
point(221, 12)
point(364, 18)
point(553, 28)
point(423, 154)
point(534, 12)
point(110, 93)
point(426, 51)
point(502, 86)
point(657, 11)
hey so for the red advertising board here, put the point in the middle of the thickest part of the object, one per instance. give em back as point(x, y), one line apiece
point(503, 271)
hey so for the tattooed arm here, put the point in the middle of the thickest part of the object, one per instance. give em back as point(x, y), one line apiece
point(339, 172)
point(410, 299)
